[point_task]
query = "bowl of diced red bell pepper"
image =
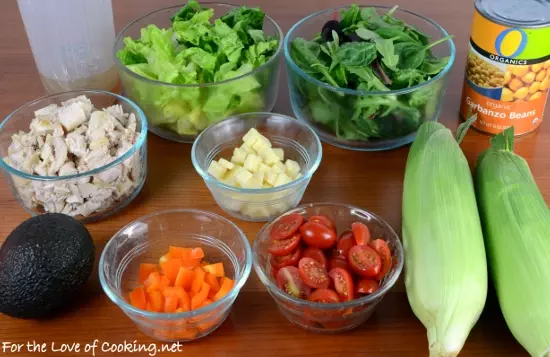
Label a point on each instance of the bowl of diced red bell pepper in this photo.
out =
(327, 265)
(176, 273)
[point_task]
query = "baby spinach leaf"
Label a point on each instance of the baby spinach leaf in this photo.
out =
(356, 54)
(397, 35)
(386, 49)
(304, 53)
(418, 35)
(433, 65)
(372, 19)
(366, 34)
(350, 16)
(412, 54)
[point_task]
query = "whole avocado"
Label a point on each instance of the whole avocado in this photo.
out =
(43, 262)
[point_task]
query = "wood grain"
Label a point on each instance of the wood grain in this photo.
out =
(255, 327)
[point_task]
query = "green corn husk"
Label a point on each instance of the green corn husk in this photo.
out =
(516, 221)
(445, 263)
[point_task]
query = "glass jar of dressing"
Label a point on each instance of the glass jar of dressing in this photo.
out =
(72, 43)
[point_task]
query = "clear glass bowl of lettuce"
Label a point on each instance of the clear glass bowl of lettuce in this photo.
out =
(188, 67)
(367, 77)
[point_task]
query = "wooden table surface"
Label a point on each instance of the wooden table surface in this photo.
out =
(255, 327)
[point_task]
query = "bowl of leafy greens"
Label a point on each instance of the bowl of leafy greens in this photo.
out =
(366, 77)
(190, 66)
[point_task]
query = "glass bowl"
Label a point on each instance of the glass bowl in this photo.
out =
(297, 139)
(179, 112)
(393, 116)
(74, 194)
(334, 317)
(146, 239)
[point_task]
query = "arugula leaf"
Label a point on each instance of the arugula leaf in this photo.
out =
(356, 54)
(370, 80)
(386, 49)
(408, 77)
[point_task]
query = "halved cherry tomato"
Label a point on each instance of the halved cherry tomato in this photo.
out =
(345, 243)
(366, 286)
(324, 220)
(343, 283)
(317, 235)
(284, 246)
(313, 273)
(324, 296)
(316, 254)
(286, 260)
(288, 280)
(381, 247)
(287, 226)
(364, 261)
(338, 262)
(361, 233)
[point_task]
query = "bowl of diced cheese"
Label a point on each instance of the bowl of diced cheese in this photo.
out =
(257, 165)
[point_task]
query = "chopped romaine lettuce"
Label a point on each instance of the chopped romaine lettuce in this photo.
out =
(198, 49)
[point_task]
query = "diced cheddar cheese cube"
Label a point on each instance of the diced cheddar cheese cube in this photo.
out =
(251, 137)
(269, 157)
(255, 211)
(242, 177)
(239, 155)
(292, 168)
(282, 179)
(228, 165)
(248, 149)
(261, 144)
(280, 153)
(216, 170)
(271, 177)
(252, 163)
(263, 168)
(256, 181)
(280, 167)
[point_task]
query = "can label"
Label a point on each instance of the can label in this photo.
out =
(507, 76)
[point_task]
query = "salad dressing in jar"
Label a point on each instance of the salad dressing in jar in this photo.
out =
(72, 43)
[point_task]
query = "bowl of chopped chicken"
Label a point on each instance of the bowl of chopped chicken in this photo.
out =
(80, 153)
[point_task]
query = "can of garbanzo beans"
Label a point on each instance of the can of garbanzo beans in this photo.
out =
(508, 66)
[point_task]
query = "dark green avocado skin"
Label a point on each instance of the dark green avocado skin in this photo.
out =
(42, 264)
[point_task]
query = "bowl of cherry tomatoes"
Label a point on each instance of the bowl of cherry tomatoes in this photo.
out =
(327, 265)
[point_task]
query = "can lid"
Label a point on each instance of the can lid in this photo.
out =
(516, 13)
